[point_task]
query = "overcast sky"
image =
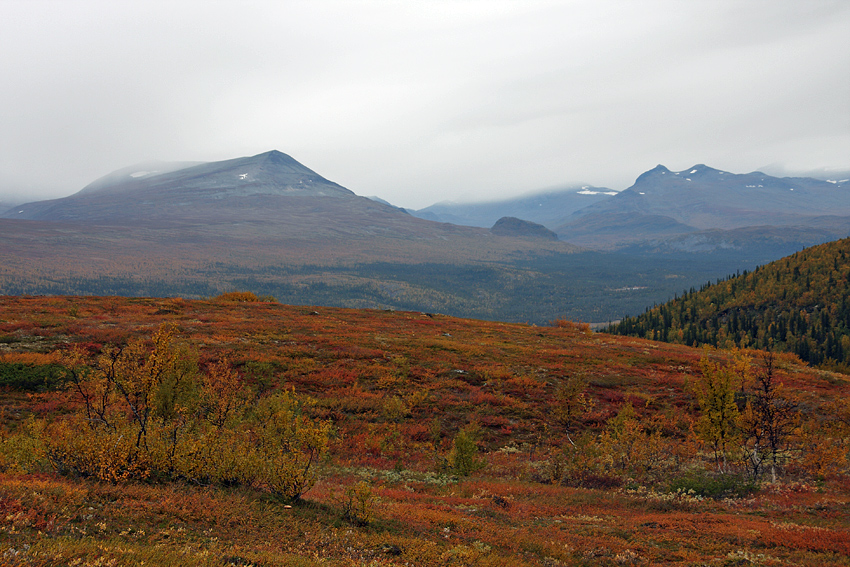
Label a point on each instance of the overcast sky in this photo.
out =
(423, 101)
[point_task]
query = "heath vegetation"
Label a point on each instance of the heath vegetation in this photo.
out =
(244, 432)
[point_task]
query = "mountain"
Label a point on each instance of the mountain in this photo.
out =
(241, 187)
(549, 208)
(267, 196)
(663, 206)
(799, 304)
(268, 224)
(512, 226)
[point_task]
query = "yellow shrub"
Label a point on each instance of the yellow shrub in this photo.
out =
(145, 414)
(241, 296)
(105, 454)
(24, 450)
(289, 446)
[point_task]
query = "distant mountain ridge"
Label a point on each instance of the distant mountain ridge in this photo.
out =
(269, 224)
(663, 206)
(705, 198)
(699, 209)
(549, 208)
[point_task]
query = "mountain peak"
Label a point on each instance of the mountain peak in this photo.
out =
(656, 171)
(700, 169)
(276, 157)
(168, 190)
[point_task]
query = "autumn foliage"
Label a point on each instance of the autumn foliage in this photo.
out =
(799, 304)
(404, 438)
(147, 412)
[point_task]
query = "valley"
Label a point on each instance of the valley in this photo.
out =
(425, 284)
(268, 224)
(202, 368)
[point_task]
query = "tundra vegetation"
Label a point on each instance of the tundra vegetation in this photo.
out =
(238, 431)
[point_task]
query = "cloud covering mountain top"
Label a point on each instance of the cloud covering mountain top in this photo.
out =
(419, 102)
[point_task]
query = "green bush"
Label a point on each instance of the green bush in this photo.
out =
(713, 485)
(464, 457)
(358, 504)
(31, 377)
(23, 451)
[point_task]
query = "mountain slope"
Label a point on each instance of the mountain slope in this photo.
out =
(702, 198)
(553, 487)
(120, 179)
(799, 304)
(234, 185)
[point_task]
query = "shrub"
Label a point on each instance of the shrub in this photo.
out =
(464, 457)
(717, 486)
(31, 377)
(109, 455)
(287, 445)
(358, 504)
(24, 451)
(630, 446)
(244, 297)
(394, 409)
(240, 296)
(147, 414)
(580, 464)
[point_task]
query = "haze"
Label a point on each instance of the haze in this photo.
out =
(419, 102)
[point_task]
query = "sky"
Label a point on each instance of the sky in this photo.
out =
(419, 102)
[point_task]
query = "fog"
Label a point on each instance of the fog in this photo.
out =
(420, 102)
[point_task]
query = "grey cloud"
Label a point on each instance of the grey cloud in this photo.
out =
(419, 102)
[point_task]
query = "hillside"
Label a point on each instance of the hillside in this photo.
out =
(512, 226)
(455, 442)
(800, 304)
